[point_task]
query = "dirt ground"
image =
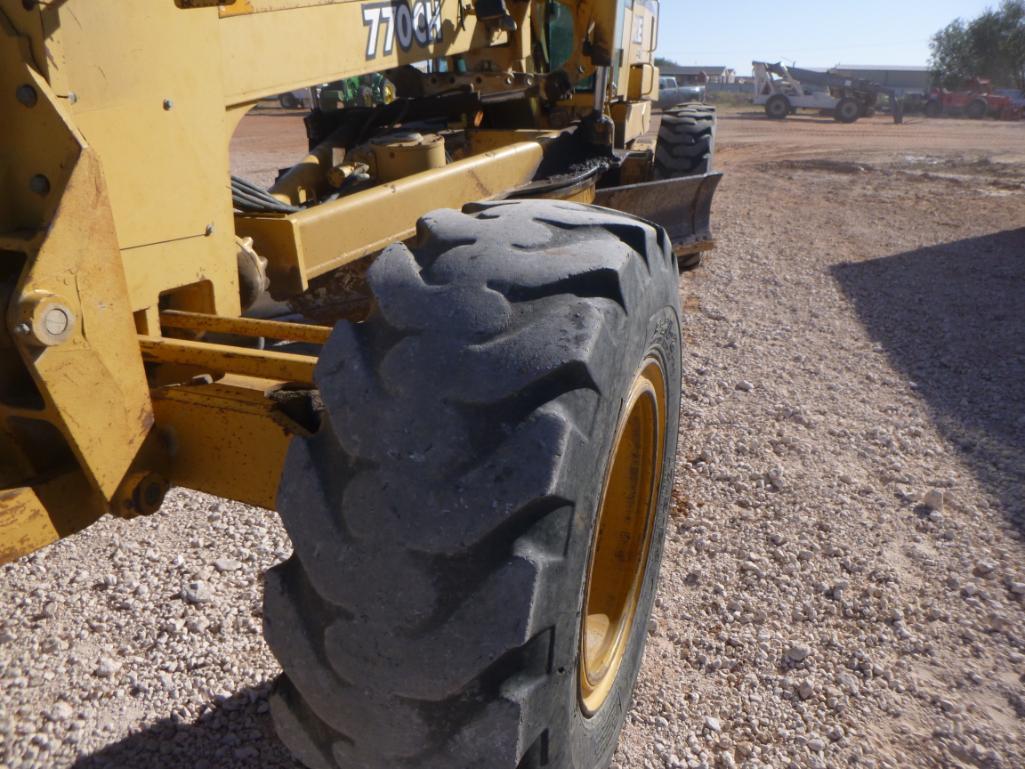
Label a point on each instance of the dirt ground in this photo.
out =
(855, 350)
(266, 141)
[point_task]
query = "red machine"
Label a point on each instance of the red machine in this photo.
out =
(976, 102)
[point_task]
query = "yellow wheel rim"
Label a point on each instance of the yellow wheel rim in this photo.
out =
(623, 533)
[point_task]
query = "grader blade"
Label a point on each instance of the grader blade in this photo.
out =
(683, 206)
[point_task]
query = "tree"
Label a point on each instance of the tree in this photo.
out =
(1013, 48)
(991, 46)
(952, 61)
(662, 61)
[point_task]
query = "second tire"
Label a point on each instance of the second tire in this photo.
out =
(686, 141)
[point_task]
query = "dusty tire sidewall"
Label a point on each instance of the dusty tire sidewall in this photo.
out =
(592, 741)
(642, 318)
(847, 111)
(777, 108)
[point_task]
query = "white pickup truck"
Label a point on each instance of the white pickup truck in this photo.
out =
(670, 93)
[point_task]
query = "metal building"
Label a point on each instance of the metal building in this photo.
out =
(699, 75)
(903, 79)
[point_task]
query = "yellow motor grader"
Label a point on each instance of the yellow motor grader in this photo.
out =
(473, 451)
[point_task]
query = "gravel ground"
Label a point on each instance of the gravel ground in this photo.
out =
(844, 581)
(844, 585)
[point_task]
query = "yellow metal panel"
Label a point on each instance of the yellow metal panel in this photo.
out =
(24, 524)
(154, 269)
(328, 41)
(483, 140)
(154, 114)
(640, 32)
(24, 20)
(31, 518)
(312, 242)
(93, 380)
(152, 111)
(639, 38)
(35, 142)
(72, 268)
(643, 82)
(227, 440)
(632, 119)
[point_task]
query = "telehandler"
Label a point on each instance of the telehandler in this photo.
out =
(474, 456)
(783, 90)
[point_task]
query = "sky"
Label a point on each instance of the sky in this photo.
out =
(814, 34)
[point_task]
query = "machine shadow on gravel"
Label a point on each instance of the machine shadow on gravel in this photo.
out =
(952, 319)
(232, 734)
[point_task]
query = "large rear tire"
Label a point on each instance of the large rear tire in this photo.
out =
(518, 380)
(777, 107)
(847, 110)
(686, 142)
(933, 109)
(977, 110)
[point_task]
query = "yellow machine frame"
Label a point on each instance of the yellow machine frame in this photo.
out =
(119, 242)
